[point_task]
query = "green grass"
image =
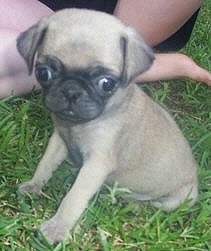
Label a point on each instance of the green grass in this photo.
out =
(108, 223)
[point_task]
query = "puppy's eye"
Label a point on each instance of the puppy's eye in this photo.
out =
(107, 84)
(43, 74)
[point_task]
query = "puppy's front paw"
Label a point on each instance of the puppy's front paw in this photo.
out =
(54, 230)
(30, 187)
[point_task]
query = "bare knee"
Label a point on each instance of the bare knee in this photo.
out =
(17, 85)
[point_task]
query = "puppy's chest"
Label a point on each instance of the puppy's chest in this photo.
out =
(79, 143)
(72, 142)
(84, 142)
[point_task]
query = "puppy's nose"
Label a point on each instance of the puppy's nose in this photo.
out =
(56, 102)
(73, 95)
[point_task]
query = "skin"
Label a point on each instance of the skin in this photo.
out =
(169, 16)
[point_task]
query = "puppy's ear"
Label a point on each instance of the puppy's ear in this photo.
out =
(137, 55)
(29, 41)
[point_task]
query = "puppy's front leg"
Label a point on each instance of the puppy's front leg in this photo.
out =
(89, 180)
(55, 153)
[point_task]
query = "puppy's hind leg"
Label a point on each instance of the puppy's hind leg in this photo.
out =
(187, 192)
(55, 153)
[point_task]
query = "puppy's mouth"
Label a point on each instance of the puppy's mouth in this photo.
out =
(79, 114)
(76, 107)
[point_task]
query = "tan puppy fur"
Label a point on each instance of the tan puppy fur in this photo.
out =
(129, 139)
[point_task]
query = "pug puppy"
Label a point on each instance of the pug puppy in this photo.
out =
(86, 63)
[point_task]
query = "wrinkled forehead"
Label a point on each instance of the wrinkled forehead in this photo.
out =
(82, 46)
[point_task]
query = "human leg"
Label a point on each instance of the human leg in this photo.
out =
(168, 66)
(156, 21)
(15, 18)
